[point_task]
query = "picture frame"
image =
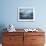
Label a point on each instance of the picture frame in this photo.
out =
(26, 14)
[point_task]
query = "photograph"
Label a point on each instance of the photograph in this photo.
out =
(26, 14)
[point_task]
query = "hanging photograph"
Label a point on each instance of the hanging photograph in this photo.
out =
(26, 14)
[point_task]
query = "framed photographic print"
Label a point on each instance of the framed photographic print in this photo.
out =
(26, 14)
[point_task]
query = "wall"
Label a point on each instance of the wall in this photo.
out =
(8, 13)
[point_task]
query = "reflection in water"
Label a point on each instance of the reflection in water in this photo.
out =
(26, 14)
